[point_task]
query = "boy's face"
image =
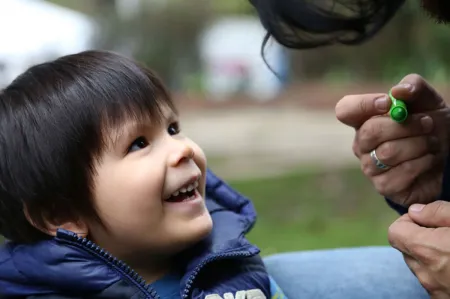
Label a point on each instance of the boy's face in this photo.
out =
(149, 191)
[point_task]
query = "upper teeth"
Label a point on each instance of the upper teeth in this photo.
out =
(189, 187)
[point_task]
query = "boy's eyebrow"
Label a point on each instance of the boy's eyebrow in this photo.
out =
(126, 132)
(120, 136)
(172, 115)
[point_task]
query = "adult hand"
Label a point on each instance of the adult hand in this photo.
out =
(415, 151)
(423, 236)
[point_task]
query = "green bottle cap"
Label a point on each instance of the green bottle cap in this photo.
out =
(398, 111)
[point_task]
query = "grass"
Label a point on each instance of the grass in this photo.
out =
(304, 210)
(316, 209)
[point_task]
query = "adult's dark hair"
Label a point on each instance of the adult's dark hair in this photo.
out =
(306, 24)
(53, 120)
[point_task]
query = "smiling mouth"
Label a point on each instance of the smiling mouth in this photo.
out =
(186, 193)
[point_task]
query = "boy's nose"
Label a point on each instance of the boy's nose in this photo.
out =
(182, 152)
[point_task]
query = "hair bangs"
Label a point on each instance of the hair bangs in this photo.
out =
(143, 106)
(116, 91)
(305, 24)
(139, 99)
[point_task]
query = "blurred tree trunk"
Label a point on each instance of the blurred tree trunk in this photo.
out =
(162, 38)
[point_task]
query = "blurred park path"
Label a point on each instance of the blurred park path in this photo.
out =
(249, 142)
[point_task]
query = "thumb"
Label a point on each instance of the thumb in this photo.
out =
(435, 214)
(355, 110)
(418, 94)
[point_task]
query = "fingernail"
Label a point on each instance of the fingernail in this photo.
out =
(406, 86)
(416, 208)
(382, 104)
(427, 124)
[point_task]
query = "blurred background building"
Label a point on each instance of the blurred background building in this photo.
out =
(275, 138)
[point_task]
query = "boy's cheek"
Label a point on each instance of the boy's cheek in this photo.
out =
(199, 157)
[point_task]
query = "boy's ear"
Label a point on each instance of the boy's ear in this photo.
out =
(51, 227)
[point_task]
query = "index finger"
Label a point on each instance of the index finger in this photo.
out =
(354, 110)
(418, 94)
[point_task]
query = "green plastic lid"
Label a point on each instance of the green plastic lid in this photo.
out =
(398, 111)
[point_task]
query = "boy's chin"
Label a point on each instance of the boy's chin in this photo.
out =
(439, 10)
(195, 231)
(203, 228)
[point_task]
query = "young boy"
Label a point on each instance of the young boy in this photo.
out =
(102, 196)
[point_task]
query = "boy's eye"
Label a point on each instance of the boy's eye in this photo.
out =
(138, 144)
(174, 128)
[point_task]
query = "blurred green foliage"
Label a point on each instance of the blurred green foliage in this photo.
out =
(319, 209)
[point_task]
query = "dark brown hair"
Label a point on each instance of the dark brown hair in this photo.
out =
(306, 24)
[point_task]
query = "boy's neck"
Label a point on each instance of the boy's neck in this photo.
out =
(151, 270)
(152, 276)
